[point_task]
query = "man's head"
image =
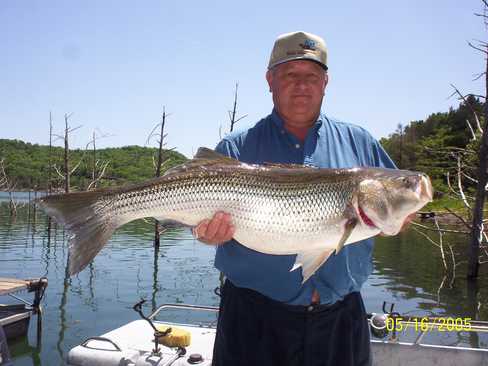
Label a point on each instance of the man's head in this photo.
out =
(297, 77)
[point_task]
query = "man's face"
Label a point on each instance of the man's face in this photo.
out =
(298, 88)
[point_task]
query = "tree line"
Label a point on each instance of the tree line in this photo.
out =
(27, 165)
(444, 146)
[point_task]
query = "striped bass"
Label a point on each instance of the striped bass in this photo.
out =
(275, 209)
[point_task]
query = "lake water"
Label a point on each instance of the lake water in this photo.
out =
(407, 271)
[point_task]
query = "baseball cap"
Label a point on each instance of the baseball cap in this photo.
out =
(298, 46)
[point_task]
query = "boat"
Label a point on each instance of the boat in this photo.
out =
(15, 318)
(141, 343)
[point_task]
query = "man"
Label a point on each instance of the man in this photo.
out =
(267, 317)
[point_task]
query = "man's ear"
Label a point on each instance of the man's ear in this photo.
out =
(269, 79)
(326, 81)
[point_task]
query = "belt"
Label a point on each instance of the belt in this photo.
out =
(262, 299)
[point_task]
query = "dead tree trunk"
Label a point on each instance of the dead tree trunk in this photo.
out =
(6, 185)
(94, 161)
(477, 226)
(158, 174)
(50, 162)
(49, 173)
(98, 167)
(66, 174)
(232, 114)
(66, 156)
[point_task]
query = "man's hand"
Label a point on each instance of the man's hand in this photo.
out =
(216, 231)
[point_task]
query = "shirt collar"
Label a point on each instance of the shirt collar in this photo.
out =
(278, 121)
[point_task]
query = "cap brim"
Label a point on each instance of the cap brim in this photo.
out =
(298, 58)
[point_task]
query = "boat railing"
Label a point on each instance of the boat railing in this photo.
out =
(183, 307)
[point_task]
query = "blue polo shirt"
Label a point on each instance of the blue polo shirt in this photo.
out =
(329, 144)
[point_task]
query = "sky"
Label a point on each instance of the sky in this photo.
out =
(115, 64)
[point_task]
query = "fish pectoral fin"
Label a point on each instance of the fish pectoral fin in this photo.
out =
(348, 228)
(310, 261)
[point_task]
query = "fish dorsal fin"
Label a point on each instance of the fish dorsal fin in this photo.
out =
(204, 157)
(204, 153)
(286, 166)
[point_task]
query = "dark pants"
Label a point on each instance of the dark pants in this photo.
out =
(255, 330)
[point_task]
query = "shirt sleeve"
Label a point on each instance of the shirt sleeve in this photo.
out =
(228, 148)
(380, 157)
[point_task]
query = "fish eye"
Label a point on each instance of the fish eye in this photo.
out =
(409, 182)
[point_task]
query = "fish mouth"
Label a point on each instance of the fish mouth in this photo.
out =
(365, 218)
(426, 190)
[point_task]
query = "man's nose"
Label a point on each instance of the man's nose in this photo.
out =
(301, 83)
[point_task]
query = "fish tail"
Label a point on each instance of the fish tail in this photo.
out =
(89, 218)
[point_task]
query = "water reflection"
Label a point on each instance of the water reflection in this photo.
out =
(408, 271)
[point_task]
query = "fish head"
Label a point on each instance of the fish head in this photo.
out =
(388, 196)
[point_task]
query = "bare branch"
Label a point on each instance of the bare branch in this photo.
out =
(477, 48)
(4, 181)
(479, 76)
(100, 176)
(237, 120)
(453, 277)
(426, 236)
(443, 230)
(477, 95)
(475, 115)
(77, 164)
(458, 217)
(152, 133)
(449, 184)
(460, 187)
(95, 138)
(57, 171)
(441, 244)
(439, 289)
(473, 136)
(74, 129)
(481, 43)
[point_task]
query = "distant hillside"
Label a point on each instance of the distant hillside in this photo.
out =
(27, 164)
(433, 145)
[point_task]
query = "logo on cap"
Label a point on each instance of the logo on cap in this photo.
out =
(308, 45)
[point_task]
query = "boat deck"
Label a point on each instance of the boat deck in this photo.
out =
(11, 285)
(14, 318)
